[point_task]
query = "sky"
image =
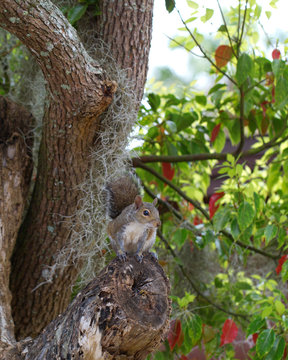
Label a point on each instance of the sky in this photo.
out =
(165, 24)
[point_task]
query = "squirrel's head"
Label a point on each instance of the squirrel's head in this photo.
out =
(147, 212)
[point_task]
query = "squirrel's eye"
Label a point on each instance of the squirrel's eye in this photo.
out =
(146, 212)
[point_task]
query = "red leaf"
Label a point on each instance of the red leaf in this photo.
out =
(174, 334)
(276, 54)
(281, 261)
(215, 132)
(263, 106)
(255, 337)
(229, 332)
(183, 357)
(190, 207)
(212, 203)
(168, 171)
(197, 220)
(222, 55)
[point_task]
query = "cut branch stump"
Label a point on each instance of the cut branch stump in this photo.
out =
(122, 314)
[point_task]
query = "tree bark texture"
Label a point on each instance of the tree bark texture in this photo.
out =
(15, 175)
(123, 314)
(78, 93)
(127, 31)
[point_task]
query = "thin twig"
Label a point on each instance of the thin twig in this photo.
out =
(249, 247)
(177, 214)
(228, 34)
(224, 232)
(192, 283)
(241, 123)
(174, 187)
(242, 29)
(204, 52)
(184, 47)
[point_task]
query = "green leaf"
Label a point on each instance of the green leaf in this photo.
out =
(245, 215)
(257, 12)
(180, 237)
(170, 5)
(154, 101)
(278, 67)
(201, 99)
(185, 300)
(195, 328)
(277, 351)
(221, 218)
(245, 67)
(266, 311)
(219, 142)
(284, 272)
(192, 4)
(76, 12)
(255, 325)
(270, 232)
(222, 28)
(268, 14)
(265, 342)
(256, 202)
(235, 231)
(281, 93)
(280, 307)
(209, 13)
(215, 88)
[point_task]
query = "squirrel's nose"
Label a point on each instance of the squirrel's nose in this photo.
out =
(158, 223)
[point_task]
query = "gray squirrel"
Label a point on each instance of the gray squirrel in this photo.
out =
(134, 223)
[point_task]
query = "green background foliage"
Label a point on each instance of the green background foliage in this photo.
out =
(217, 159)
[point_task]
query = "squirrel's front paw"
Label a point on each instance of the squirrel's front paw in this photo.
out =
(122, 256)
(139, 258)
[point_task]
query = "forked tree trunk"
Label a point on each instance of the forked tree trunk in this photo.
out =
(78, 93)
(123, 314)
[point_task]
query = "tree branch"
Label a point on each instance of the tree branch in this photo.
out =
(139, 161)
(174, 187)
(59, 53)
(242, 28)
(125, 310)
(203, 51)
(203, 211)
(192, 283)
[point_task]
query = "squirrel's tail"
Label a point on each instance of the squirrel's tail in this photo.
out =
(121, 193)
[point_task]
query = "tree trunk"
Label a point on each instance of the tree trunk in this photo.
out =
(15, 174)
(123, 314)
(78, 93)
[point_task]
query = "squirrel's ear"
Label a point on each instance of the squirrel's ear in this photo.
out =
(138, 201)
(155, 202)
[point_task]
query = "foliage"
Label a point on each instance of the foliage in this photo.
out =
(235, 132)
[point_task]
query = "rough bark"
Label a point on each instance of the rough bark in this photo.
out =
(128, 34)
(15, 173)
(78, 92)
(123, 314)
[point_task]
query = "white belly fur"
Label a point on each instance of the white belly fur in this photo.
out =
(132, 233)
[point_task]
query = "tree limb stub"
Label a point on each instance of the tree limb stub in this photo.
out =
(122, 314)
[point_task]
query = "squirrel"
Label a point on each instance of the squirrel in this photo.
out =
(134, 222)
